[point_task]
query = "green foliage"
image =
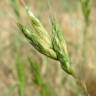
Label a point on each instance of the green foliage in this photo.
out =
(45, 89)
(36, 71)
(21, 75)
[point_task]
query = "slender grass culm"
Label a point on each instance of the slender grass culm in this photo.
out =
(86, 10)
(53, 46)
(20, 68)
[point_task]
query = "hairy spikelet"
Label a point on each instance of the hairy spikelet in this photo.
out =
(38, 42)
(59, 46)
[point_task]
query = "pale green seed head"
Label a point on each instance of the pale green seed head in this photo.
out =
(38, 27)
(52, 46)
(38, 36)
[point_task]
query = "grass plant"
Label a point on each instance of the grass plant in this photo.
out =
(86, 11)
(53, 46)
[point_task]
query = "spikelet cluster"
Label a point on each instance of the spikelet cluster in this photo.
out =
(52, 46)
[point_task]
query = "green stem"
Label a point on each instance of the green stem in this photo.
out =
(81, 84)
(84, 50)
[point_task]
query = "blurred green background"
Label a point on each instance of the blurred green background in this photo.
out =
(44, 76)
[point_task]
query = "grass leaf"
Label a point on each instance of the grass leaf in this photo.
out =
(21, 76)
(45, 88)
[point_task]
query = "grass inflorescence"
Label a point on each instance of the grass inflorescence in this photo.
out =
(52, 46)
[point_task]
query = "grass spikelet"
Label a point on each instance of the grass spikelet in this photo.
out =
(40, 42)
(59, 46)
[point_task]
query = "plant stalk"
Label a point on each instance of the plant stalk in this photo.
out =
(81, 84)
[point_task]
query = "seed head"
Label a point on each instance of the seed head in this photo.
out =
(38, 36)
(52, 46)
